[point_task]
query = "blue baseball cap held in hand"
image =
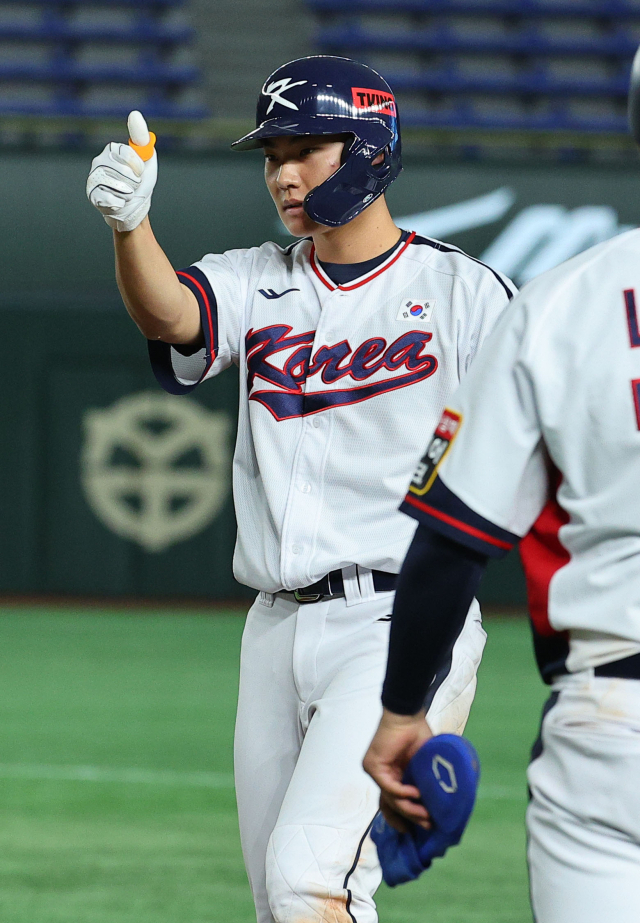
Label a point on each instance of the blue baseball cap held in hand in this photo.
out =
(446, 771)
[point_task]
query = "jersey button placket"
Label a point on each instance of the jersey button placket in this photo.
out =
(305, 497)
(302, 514)
(303, 511)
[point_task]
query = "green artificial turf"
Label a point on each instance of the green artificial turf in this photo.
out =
(116, 803)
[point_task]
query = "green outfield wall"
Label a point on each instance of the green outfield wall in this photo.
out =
(109, 486)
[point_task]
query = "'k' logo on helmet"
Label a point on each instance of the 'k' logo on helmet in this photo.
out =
(277, 88)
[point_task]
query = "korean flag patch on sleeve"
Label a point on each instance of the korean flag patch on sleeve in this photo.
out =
(420, 311)
(445, 433)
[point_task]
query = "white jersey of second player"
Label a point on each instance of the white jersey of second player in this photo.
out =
(340, 386)
(543, 440)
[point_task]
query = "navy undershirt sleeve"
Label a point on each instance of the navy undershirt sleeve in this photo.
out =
(185, 350)
(436, 586)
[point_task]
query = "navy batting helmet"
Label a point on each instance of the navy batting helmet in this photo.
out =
(325, 95)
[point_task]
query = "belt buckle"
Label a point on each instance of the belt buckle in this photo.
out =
(311, 598)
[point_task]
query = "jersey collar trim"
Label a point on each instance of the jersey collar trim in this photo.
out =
(324, 278)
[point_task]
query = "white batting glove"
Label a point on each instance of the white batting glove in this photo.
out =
(121, 181)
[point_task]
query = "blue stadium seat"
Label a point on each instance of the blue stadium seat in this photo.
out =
(528, 41)
(552, 121)
(54, 30)
(107, 4)
(158, 75)
(96, 58)
(614, 9)
(494, 64)
(535, 82)
(157, 110)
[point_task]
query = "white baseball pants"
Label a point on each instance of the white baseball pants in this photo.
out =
(584, 817)
(309, 703)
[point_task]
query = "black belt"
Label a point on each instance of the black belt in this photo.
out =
(627, 668)
(333, 586)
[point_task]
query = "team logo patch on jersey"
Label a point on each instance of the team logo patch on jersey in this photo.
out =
(412, 311)
(446, 432)
(373, 100)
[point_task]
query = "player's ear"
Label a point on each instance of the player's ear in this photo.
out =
(380, 158)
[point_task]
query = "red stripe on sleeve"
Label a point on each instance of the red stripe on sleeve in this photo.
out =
(458, 523)
(214, 345)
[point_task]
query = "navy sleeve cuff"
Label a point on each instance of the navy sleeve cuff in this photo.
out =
(441, 510)
(160, 353)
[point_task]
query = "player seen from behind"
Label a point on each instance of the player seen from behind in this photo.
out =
(541, 445)
(349, 342)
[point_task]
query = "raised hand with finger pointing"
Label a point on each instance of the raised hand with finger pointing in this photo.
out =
(123, 177)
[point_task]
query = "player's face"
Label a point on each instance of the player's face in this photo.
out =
(295, 166)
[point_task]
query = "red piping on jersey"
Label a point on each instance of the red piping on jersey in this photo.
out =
(457, 523)
(543, 556)
(378, 272)
(209, 320)
(635, 386)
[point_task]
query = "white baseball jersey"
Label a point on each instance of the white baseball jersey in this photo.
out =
(543, 440)
(340, 386)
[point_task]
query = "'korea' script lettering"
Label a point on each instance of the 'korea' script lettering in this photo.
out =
(290, 394)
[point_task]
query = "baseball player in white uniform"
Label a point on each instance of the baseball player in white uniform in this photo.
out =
(349, 342)
(541, 445)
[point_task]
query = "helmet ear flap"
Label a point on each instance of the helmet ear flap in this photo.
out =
(354, 186)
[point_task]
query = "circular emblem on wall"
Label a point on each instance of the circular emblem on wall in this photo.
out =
(155, 467)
